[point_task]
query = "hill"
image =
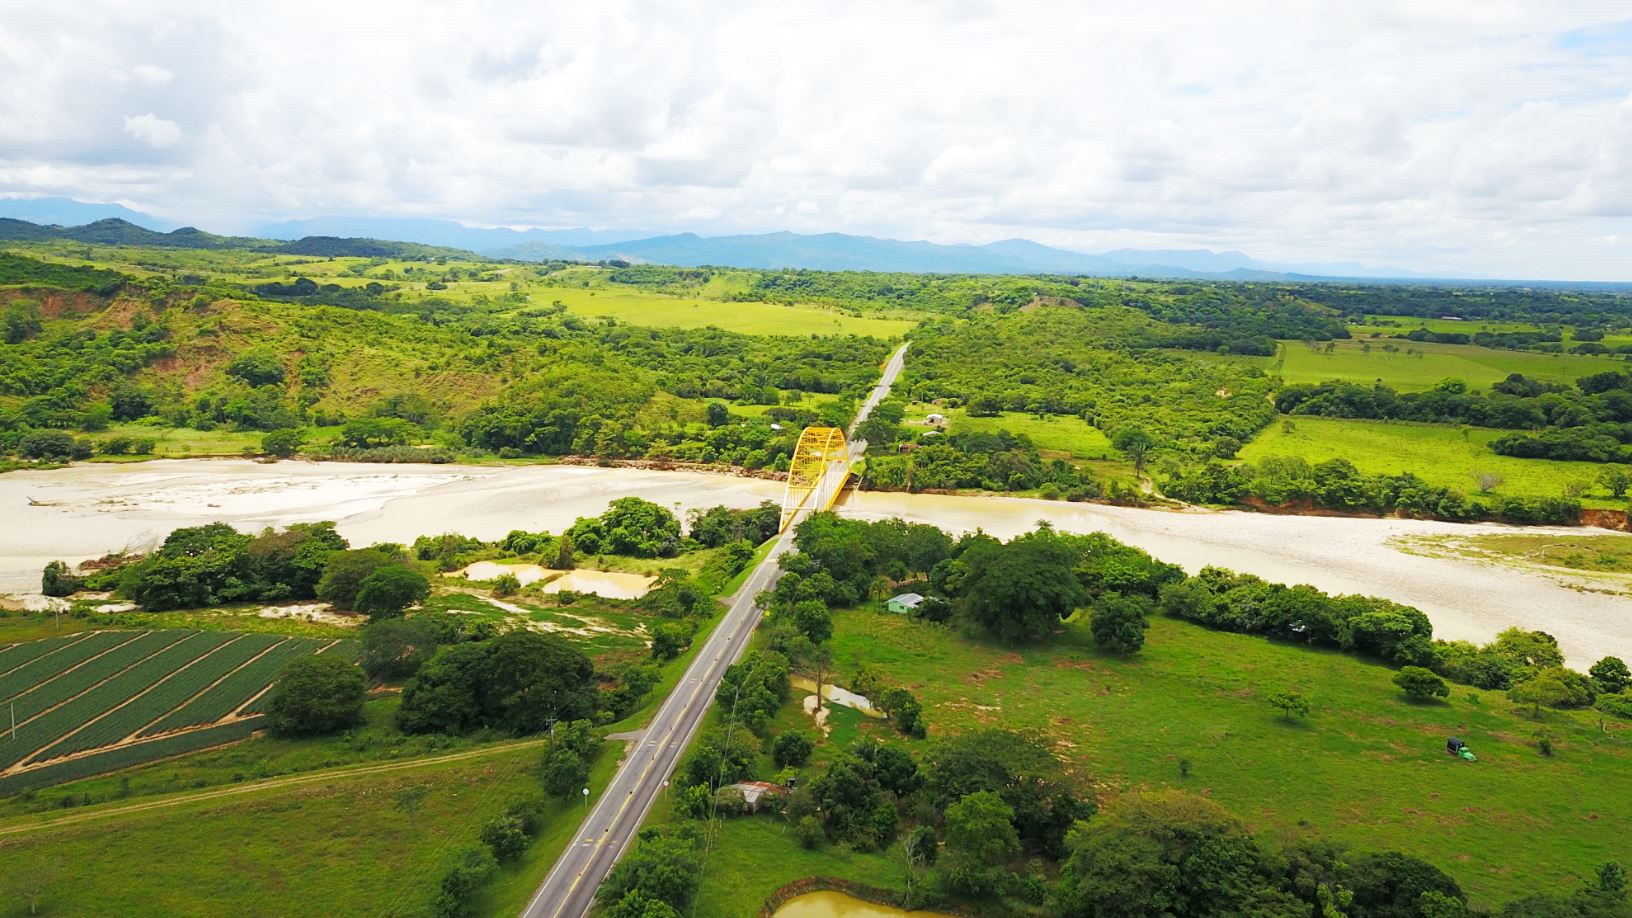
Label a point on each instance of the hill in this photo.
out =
(117, 231)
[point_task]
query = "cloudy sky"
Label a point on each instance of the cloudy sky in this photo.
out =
(1484, 136)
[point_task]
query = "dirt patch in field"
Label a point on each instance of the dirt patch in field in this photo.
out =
(314, 612)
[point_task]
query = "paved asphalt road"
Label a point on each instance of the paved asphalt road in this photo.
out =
(643, 775)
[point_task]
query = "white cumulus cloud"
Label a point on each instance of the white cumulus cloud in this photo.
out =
(152, 130)
(1481, 136)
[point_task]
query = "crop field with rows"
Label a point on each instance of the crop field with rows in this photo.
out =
(92, 702)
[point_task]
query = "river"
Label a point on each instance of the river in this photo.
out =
(86, 510)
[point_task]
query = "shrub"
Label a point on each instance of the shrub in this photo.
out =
(791, 749)
(47, 444)
(1616, 705)
(59, 580)
(470, 870)
(505, 837)
(1118, 623)
(1420, 684)
(316, 694)
(506, 585)
(905, 711)
(808, 830)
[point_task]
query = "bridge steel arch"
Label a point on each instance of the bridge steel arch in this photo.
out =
(817, 472)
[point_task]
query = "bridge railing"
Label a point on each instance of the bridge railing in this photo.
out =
(817, 472)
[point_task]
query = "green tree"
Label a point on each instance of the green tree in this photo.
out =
(980, 838)
(316, 694)
(905, 711)
(565, 769)
(58, 579)
(1616, 480)
(127, 403)
(23, 321)
(396, 648)
(1554, 687)
(1610, 675)
(518, 682)
(791, 749)
(344, 573)
(813, 619)
(718, 414)
(1018, 768)
(1421, 684)
(663, 867)
(389, 590)
(630, 526)
(1020, 590)
(1392, 885)
(1165, 853)
(196, 566)
(258, 368)
(282, 443)
(719, 757)
(1118, 623)
(669, 639)
(1135, 444)
(1292, 704)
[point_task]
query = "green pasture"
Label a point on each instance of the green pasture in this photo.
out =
(1437, 453)
(183, 442)
(1512, 823)
(1395, 325)
(1417, 365)
(1062, 435)
(341, 847)
(639, 307)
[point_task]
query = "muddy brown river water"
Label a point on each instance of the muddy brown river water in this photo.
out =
(84, 511)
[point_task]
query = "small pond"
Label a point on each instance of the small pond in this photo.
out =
(839, 905)
(610, 584)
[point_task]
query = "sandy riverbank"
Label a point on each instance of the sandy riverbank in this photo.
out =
(86, 510)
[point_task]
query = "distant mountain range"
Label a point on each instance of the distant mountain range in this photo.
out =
(382, 236)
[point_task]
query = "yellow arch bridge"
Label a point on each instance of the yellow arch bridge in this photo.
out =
(817, 473)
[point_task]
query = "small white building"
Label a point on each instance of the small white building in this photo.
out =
(904, 603)
(933, 418)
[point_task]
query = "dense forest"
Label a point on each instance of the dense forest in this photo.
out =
(1107, 366)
